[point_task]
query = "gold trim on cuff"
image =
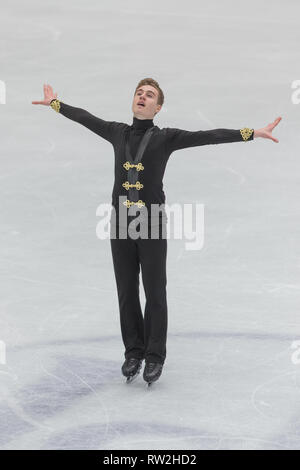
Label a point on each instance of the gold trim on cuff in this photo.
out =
(55, 104)
(246, 133)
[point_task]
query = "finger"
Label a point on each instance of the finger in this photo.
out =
(277, 120)
(274, 140)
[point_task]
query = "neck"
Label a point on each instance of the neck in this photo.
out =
(141, 124)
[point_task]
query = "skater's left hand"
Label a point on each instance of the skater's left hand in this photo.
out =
(266, 132)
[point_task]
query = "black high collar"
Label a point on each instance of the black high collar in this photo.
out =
(141, 124)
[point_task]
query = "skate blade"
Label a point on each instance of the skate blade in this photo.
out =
(131, 379)
(152, 382)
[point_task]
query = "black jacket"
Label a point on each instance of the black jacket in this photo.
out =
(153, 162)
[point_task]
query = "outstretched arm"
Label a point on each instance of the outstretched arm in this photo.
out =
(101, 127)
(179, 138)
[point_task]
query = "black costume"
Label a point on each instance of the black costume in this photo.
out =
(141, 154)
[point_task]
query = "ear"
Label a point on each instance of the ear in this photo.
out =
(158, 108)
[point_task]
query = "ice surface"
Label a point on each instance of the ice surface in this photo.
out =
(229, 381)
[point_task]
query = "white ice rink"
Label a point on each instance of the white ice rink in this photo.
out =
(231, 379)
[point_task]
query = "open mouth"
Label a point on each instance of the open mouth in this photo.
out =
(141, 104)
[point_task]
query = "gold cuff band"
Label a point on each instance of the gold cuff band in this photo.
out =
(55, 104)
(246, 133)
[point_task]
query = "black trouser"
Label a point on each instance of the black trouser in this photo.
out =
(142, 337)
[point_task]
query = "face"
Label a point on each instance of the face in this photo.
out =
(148, 96)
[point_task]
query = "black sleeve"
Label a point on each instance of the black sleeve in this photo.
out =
(105, 129)
(179, 138)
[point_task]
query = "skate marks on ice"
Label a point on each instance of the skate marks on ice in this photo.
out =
(203, 333)
(271, 399)
(12, 425)
(68, 386)
(54, 393)
(131, 435)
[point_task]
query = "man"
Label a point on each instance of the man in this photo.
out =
(141, 154)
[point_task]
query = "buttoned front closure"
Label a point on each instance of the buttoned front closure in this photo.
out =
(133, 166)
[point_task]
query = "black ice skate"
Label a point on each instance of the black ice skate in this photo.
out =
(131, 368)
(152, 372)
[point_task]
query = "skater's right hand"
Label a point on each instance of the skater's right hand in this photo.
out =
(48, 96)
